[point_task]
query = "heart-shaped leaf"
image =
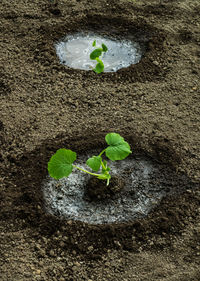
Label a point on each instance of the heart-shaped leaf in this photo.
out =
(60, 164)
(94, 163)
(99, 67)
(95, 54)
(118, 148)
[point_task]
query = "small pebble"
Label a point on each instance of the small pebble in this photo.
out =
(62, 244)
(38, 271)
(52, 253)
(90, 248)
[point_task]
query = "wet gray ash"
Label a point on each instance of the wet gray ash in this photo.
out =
(144, 183)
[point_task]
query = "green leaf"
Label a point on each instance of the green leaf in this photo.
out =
(119, 152)
(60, 164)
(94, 163)
(94, 43)
(107, 169)
(99, 67)
(95, 54)
(118, 148)
(114, 139)
(104, 47)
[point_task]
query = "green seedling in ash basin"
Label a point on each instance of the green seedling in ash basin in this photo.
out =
(95, 55)
(61, 163)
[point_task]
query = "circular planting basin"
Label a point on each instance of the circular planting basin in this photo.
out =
(145, 183)
(74, 51)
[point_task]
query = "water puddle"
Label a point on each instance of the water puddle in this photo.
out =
(74, 51)
(147, 182)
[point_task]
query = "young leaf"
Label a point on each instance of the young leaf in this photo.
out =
(99, 67)
(95, 54)
(94, 43)
(60, 164)
(118, 148)
(114, 139)
(106, 169)
(104, 47)
(94, 163)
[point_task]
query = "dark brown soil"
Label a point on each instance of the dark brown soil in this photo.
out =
(96, 190)
(45, 105)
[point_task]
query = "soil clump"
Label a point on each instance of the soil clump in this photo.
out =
(98, 190)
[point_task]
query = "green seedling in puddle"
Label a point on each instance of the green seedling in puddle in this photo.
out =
(95, 55)
(61, 163)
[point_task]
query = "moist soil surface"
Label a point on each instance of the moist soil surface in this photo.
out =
(96, 191)
(45, 105)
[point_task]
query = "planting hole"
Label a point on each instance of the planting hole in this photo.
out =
(75, 52)
(145, 183)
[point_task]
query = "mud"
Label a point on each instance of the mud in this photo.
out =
(45, 105)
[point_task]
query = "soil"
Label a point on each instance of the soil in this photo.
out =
(45, 105)
(98, 190)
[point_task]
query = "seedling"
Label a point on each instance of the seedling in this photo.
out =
(61, 163)
(95, 56)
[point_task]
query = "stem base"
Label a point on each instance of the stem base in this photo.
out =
(96, 189)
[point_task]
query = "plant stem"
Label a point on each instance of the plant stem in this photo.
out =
(103, 166)
(102, 152)
(93, 174)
